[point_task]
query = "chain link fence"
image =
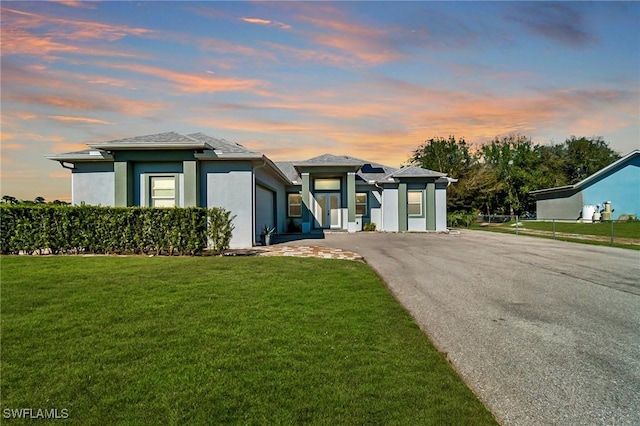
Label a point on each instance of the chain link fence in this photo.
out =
(611, 231)
(614, 232)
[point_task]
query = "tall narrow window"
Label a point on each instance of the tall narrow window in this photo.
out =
(361, 203)
(163, 191)
(295, 205)
(414, 203)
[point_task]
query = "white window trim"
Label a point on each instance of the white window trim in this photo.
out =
(366, 203)
(148, 202)
(409, 203)
(289, 204)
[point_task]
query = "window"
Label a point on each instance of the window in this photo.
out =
(414, 203)
(327, 184)
(295, 205)
(361, 203)
(163, 191)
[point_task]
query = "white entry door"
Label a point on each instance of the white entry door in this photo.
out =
(328, 210)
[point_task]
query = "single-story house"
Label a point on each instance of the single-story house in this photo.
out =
(618, 183)
(328, 192)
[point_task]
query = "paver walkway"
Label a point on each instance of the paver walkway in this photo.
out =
(298, 251)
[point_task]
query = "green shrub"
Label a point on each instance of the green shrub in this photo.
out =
(88, 229)
(369, 226)
(460, 218)
(220, 229)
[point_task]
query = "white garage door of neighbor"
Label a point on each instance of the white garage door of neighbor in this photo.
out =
(265, 211)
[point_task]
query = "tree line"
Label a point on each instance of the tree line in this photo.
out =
(497, 177)
(9, 199)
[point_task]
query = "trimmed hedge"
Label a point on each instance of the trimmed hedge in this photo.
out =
(113, 230)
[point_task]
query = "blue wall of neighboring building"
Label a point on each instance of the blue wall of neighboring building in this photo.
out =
(621, 186)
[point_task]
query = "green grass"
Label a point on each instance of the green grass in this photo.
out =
(621, 230)
(141, 340)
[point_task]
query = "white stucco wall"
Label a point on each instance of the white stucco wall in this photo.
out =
(229, 185)
(375, 208)
(441, 207)
(417, 224)
(390, 209)
(93, 184)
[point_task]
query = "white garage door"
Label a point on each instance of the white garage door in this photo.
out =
(265, 209)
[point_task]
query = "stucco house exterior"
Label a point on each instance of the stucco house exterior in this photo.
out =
(618, 183)
(328, 192)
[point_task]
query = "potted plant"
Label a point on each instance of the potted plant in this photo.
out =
(265, 235)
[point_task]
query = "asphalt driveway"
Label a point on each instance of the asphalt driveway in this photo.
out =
(545, 332)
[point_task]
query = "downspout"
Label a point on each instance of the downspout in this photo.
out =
(253, 207)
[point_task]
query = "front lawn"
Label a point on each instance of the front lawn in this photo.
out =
(206, 340)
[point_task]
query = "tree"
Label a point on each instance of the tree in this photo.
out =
(39, 200)
(454, 158)
(9, 199)
(444, 155)
(512, 158)
(586, 156)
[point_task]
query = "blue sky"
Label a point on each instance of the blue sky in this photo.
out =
(298, 79)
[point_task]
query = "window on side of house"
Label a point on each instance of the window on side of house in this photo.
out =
(294, 205)
(414, 203)
(361, 203)
(163, 191)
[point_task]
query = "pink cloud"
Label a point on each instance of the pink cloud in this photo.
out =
(261, 21)
(76, 3)
(71, 29)
(17, 41)
(256, 21)
(80, 120)
(194, 83)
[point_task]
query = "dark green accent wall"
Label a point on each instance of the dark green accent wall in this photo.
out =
(351, 197)
(402, 207)
(431, 206)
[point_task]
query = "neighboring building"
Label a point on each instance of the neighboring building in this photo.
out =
(618, 183)
(326, 192)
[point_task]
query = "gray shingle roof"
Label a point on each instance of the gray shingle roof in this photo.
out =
(287, 169)
(222, 145)
(368, 171)
(415, 171)
(168, 137)
(170, 140)
(330, 160)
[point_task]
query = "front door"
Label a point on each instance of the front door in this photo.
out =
(327, 210)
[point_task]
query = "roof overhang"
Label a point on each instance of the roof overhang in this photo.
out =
(77, 157)
(217, 155)
(128, 146)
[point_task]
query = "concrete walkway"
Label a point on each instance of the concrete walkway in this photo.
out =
(545, 332)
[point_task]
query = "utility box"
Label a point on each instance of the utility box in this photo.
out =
(358, 223)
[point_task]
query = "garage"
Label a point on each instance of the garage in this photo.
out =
(265, 209)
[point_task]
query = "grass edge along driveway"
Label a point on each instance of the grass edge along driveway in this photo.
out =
(219, 341)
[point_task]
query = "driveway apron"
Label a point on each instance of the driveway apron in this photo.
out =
(545, 332)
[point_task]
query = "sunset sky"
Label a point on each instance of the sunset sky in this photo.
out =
(297, 79)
